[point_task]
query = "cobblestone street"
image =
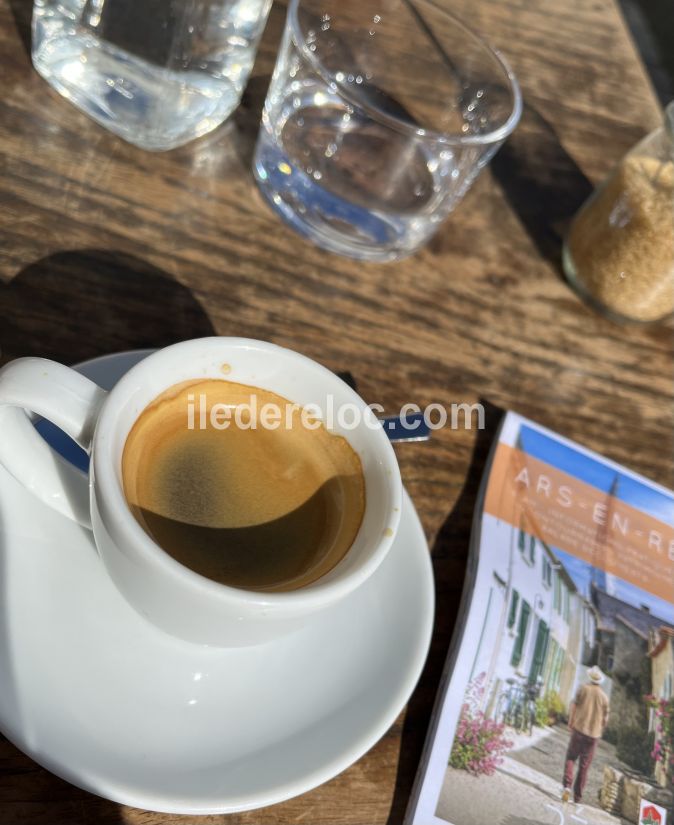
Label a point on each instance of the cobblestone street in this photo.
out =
(502, 799)
(526, 789)
(547, 756)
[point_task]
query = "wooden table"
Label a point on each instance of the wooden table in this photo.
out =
(106, 248)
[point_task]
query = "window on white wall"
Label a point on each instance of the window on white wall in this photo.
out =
(547, 572)
(522, 629)
(512, 613)
(557, 601)
(589, 626)
(527, 546)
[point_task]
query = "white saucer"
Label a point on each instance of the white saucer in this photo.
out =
(98, 696)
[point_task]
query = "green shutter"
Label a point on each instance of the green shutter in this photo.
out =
(532, 549)
(539, 651)
(549, 662)
(520, 540)
(557, 673)
(512, 613)
(521, 634)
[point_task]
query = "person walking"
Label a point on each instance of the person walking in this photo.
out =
(588, 718)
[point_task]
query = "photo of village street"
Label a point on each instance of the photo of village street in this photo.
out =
(567, 714)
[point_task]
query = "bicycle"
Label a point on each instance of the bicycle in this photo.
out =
(516, 706)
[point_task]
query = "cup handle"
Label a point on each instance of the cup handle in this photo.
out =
(69, 400)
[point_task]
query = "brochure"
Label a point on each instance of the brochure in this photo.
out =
(557, 703)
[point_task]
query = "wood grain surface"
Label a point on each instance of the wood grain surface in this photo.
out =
(105, 248)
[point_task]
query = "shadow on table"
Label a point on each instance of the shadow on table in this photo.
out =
(450, 553)
(246, 118)
(22, 12)
(542, 183)
(71, 306)
(41, 798)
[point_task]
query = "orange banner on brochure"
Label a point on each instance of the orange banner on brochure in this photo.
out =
(581, 520)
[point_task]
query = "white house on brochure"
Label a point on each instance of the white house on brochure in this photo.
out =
(537, 627)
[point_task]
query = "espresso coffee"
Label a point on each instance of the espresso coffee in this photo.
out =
(229, 481)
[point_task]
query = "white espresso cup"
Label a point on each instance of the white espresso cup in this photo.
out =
(173, 597)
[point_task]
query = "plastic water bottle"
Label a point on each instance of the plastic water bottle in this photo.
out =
(158, 73)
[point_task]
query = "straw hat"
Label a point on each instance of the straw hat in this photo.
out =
(595, 675)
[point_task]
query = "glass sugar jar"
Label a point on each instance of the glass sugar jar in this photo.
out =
(619, 251)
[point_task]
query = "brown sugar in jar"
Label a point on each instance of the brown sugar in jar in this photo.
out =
(619, 252)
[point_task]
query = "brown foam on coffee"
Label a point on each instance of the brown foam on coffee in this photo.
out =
(262, 509)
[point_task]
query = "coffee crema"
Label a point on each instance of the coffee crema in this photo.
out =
(255, 508)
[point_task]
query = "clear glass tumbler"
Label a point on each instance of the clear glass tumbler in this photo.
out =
(379, 116)
(158, 73)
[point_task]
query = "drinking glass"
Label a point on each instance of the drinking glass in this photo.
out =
(158, 73)
(379, 116)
